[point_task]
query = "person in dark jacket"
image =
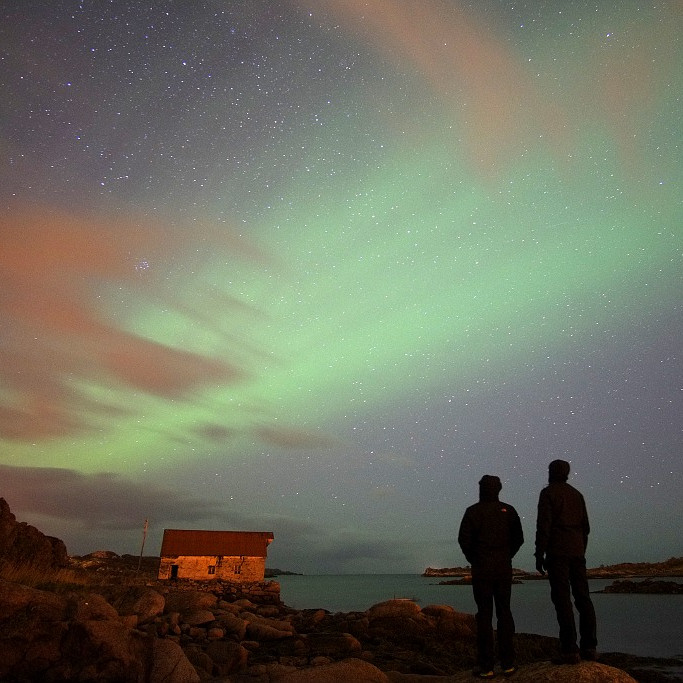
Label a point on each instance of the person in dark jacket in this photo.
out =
(490, 536)
(562, 530)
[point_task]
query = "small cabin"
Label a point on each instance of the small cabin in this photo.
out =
(236, 556)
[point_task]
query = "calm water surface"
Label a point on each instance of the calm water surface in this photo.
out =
(645, 625)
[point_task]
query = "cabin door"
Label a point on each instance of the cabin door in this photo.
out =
(174, 571)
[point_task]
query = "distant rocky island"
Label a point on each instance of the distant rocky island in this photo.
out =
(673, 567)
(644, 587)
(273, 572)
(447, 571)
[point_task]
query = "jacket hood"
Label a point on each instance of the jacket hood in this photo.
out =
(489, 487)
(558, 470)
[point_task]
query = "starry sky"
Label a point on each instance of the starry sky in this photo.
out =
(315, 267)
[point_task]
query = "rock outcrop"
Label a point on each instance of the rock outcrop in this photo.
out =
(170, 636)
(49, 637)
(23, 545)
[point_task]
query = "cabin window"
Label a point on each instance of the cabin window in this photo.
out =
(212, 569)
(238, 569)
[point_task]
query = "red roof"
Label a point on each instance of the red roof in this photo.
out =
(226, 543)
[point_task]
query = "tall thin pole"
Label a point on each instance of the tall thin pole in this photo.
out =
(142, 547)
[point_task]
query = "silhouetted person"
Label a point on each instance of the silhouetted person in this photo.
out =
(561, 538)
(490, 535)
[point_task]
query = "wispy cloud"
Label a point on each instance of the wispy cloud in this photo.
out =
(103, 500)
(58, 273)
(504, 102)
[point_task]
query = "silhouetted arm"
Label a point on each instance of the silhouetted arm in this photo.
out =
(516, 535)
(466, 538)
(544, 521)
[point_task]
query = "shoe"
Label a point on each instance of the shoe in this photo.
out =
(509, 671)
(485, 674)
(589, 655)
(567, 658)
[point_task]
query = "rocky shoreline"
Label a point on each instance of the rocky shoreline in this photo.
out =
(189, 633)
(106, 618)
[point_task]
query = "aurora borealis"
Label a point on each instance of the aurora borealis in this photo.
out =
(316, 267)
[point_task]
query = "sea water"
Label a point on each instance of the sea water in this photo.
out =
(644, 625)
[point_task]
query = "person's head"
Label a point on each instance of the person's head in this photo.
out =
(558, 470)
(489, 487)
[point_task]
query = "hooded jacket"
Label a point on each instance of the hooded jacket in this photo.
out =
(562, 525)
(490, 532)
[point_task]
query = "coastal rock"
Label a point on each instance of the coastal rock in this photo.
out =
(335, 645)
(400, 622)
(23, 545)
(226, 656)
(198, 617)
(450, 622)
(257, 630)
(45, 636)
(344, 671)
(585, 672)
(144, 603)
(92, 607)
(170, 665)
(100, 651)
(32, 625)
(394, 608)
(148, 605)
(279, 624)
(233, 625)
(83, 637)
(185, 601)
(17, 602)
(541, 672)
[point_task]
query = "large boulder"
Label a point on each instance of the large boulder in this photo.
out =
(343, 671)
(450, 622)
(198, 617)
(233, 625)
(145, 603)
(335, 645)
(102, 651)
(91, 607)
(401, 621)
(141, 602)
(32, 623)
(541, 672)
(186, 601)
(394, 608)
(44, 636)
(170, 665)
(18, 602)
(227, 656)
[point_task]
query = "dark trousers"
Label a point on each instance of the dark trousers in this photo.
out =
(488, 590)
(567, 576)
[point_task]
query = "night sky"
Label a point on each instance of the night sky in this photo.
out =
(316, 267)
